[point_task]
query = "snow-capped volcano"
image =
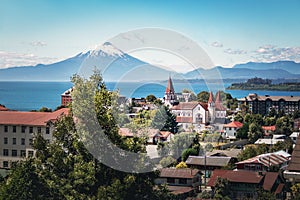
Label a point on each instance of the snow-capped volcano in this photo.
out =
(106, 49)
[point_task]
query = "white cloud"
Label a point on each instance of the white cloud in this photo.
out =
(270, 53)
(12, 59)
(235, 51)
(217, 44)
(38, 44)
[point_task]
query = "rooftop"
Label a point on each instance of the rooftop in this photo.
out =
(234, 124)
(178, 173)
(30, 118)
(225, 153)
(210, 161)
(235, 176)
(252, 97)
(294, 164)
(189, 105)
(268, 159)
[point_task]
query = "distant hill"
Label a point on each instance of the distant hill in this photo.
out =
(239, 73)
(289, 66)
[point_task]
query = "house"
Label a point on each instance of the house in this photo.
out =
(292, 173)
(208, 163)
(245, 184)
(229, 130)
(153, 135)
(264, 162)
(17, 130)
(232, 153)
(271, 141)
(263, 104)
(268, 130)
(294, 136)
(183, 181)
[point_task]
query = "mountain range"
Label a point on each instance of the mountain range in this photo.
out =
(115, 65)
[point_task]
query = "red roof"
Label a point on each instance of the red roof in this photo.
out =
(269, 128)
(234, 124)
(30, 118)
(235, 176)
(184, 119)
(211, 97)
(270, 180)
(170, 88)
(2, 108)
(279, 188)
(165, 134)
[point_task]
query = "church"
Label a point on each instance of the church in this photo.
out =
(195, 115)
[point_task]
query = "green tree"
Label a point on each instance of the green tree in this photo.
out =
(189, 152)
(203, 96)
(150, 98)
(44, 109)
(247, 153)
(221, 189)
(24, 183)
(242, 133)
(164, 120)
(255, 132)
(284, 125)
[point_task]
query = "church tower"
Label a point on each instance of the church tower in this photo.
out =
(211, 108)
(170, 96)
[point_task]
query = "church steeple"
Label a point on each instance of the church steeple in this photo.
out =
(170, 96)
(211, 98)
(170, 88)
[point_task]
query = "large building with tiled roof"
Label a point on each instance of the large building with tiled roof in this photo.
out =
(246, 184)
(263, 104)
(17, 130)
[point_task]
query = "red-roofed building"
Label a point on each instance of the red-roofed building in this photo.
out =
(268, 129)
(16, 132)
(263, 162)
(66, 97)
(231, 129)
(245, 184)
(3, 108)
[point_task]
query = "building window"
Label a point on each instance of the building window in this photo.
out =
(5, 140)
(5, 129)
(30, 141)
(47, 130)
(30, 129)
(170, 180)
(30, 153)
(22, 141)
(182, 181)
(14, 129)
(39, 129)
(5, 164)
(23, 129)
(14, 141)
(23, 153)
(5, 152)
(14, 153)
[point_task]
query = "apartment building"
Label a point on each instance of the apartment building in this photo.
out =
(17, 130)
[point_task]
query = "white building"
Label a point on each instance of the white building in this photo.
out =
(229, 130)
(17, 130)
(191, 114)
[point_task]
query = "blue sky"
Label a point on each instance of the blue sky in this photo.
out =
(230, 31)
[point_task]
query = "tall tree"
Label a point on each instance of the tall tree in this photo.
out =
(165, 120)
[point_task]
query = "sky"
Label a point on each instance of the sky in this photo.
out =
(229, 31)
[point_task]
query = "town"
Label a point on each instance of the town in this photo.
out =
(205, 146)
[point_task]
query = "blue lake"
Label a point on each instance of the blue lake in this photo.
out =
(26, 96)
